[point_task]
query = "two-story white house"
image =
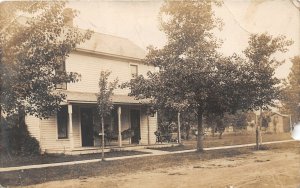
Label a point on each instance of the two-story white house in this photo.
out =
(76, 124)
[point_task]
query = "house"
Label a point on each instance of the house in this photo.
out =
(279, 123)
(76, 126)
(276, 122)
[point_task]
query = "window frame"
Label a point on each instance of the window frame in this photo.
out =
(62, 112)
(137, 70)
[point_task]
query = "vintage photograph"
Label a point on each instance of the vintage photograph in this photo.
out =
(150, 93)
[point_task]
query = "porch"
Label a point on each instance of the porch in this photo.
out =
(78, 125)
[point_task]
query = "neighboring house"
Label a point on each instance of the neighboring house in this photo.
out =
(279, 123)
(76, 125)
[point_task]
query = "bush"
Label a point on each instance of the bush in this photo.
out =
(19, 141)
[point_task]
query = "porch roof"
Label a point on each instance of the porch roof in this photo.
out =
(84, 97)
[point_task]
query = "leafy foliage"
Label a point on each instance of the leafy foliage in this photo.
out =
(32, 49)
(18, 139)
(291, 98)
(194, 77)
(264, 87)
(266, 119)
(104, 102)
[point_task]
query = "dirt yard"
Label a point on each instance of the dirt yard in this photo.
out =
(267, 168)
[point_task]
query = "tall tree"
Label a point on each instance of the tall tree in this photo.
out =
(35, 41)
(291, 99)
(104, 102)
(193, 76)
(264, 87)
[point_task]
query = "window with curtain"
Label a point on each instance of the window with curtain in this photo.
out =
(62, 122)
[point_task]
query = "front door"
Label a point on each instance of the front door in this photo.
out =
(87, 131)
(135, 126)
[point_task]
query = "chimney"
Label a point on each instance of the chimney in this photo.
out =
(68, 15)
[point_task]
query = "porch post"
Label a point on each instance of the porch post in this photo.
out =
(148, 127)
(70, 110)
(119, 127)
(179, 133)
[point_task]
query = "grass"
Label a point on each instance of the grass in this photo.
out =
(8, 161)
(106, 168)
(227, 140)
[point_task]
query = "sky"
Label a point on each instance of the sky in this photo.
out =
(138, 21)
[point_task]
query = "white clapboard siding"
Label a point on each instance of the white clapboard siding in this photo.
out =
(49, 138)
(89, 67)
(33, 126)
(144, 128)
(153, 128)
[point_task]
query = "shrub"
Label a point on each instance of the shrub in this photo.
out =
(19, 140)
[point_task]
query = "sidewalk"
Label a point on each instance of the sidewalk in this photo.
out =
(153, 153)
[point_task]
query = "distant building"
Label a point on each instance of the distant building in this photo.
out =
(279, 123)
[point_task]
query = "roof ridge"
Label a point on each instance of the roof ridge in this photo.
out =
(102, 33)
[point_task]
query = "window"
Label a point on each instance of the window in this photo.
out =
(62, 122)
(61, 70)
(134, 71)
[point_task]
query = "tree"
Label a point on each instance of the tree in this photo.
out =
(216, 123)
(264, 87)
(193, 76)
(241, 121)
(266, 119)
(104, 102)
(32, 53)
(291, 99)
(168, 115)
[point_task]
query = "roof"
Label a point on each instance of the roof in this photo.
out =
(112, 45)
(83, 97)
(276, 113)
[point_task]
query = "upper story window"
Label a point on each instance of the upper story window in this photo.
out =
(61, 70)
(134, 71)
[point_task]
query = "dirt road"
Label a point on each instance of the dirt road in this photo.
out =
(270, 168)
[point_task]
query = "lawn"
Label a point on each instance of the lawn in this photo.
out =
(8, 161)
(227, 140)
(119, 167)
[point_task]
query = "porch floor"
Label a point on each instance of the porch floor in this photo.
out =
(90, 150)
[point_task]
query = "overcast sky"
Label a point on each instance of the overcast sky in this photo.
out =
(138, 21)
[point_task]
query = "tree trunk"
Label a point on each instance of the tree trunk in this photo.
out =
(220, 135)
(188, 129)
(102, 132)
(213, 130)
(21, 119)
(200, 130)
(256, 138)
(258, 131)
